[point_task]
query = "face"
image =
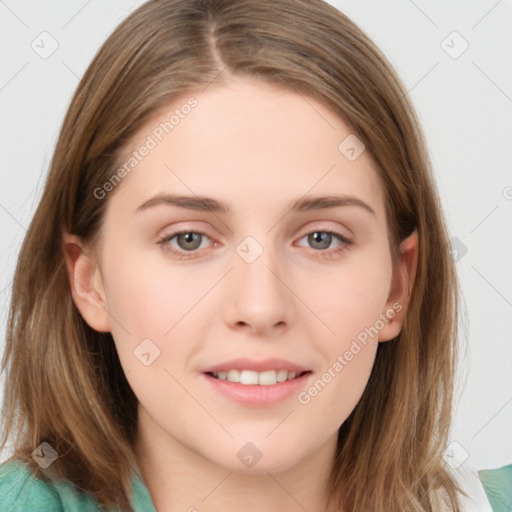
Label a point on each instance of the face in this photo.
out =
(262, 281)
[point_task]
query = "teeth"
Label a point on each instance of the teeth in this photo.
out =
(233, 376)
(250, 377)
(282, 375)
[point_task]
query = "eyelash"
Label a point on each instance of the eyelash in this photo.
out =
(328, 254)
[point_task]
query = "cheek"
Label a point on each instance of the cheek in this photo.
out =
(149, 302)
(335, 392)
(155, 314)
(348, 355)
(350, 298)
(349, 302)
(148, 299)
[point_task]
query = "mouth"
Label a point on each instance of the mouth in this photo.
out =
(256, 382)
(257, 389)
(254, 378)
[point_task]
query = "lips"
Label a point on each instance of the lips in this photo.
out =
(257, 395)
(257, 366)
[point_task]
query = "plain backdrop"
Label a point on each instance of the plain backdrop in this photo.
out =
(455, 59)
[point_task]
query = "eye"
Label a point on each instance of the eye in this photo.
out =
(188, 241)
(322, 239)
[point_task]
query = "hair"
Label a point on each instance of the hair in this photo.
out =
(64, 383)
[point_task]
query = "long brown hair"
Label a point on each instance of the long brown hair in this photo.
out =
(64, 381)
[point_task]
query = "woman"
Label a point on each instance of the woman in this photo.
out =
(237, 287)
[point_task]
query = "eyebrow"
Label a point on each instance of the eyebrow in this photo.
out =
(201, 203)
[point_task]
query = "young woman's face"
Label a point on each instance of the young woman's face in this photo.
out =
(269, 286)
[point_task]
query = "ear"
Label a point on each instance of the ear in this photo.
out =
(402, 282)
(86, 284)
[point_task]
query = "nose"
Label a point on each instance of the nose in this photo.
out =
(258, 298)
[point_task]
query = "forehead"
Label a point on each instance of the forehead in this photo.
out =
(247, 143)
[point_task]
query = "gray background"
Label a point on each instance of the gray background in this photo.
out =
(464, 100)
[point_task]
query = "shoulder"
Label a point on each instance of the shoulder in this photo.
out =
(22, 491)
(498, 487)
(19, 490)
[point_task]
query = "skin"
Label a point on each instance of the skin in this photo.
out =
(255, 147)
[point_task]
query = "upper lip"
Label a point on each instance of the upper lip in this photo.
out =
(255, 365)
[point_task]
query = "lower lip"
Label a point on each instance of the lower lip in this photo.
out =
(256, 395)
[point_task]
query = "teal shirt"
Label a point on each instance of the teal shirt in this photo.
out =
(20, 491)
(498, 487)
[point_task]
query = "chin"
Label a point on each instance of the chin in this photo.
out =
(254, 459)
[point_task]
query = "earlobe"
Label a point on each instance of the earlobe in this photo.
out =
(86, 284)
(402, 283)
